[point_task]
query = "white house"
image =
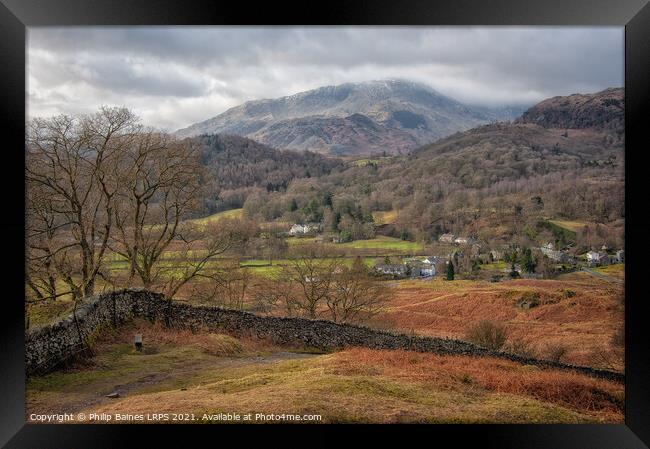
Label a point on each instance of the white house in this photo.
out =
(464, 240)
(428, 269)
(596, 258)
(447, 238)
(422, 268)
(432, 260)
(549, 251)
(548, 247)
(620, 256)
(297, 229)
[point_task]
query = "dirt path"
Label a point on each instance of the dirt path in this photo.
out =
(92, 399)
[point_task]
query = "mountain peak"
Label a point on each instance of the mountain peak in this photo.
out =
(387, 115)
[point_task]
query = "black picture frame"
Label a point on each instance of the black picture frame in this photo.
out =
(16, 15)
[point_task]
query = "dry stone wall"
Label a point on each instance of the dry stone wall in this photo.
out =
(48, 347)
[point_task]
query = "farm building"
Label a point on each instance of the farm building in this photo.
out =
(464, 240)
(427, 270)
(392, 269)
(596, 258)
(620, 256)
(420, 268)
(447, 238)
(298, 229)
(549, 251)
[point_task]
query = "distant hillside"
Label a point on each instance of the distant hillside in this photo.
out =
(498, 180)
(605, 109)
(390, 116)
(236, 164)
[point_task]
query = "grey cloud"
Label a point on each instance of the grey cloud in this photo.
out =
(171, 75)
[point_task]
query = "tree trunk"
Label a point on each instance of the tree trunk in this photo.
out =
(89, 288)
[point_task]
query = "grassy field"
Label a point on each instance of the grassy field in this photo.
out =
(612, 270)
(233, 213)
(384, 217)
(495, 266)
(384, 243)
(182, 372)
(579, 312)
(296, 241)
(380, 245)
(368, 161)
(46, 312)
(261, 267)
(572, 226)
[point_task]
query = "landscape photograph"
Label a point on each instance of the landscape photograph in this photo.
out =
(325, 225)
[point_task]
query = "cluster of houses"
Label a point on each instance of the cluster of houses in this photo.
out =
(593, 258)
(601, 257)
(556, 255)
(412, 267)
(424, 268)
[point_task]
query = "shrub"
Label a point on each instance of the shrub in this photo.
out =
(496, 278)
(345, 236)
(521, 347)
(487, 334)
(556, 352)
(528, 300)
(220, 345)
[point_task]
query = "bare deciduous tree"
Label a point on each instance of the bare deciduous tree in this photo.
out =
(356, 295)
(226, 285)
(313, 279)
(40, 273)
(71, 185)
(274, 292)
(232, 282)
(159, 180)
(198, 246)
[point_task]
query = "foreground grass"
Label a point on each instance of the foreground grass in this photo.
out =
(210, 373)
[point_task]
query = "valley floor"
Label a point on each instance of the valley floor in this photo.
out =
(181, 372)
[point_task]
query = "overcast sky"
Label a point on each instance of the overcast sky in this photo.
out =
(175, 76)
